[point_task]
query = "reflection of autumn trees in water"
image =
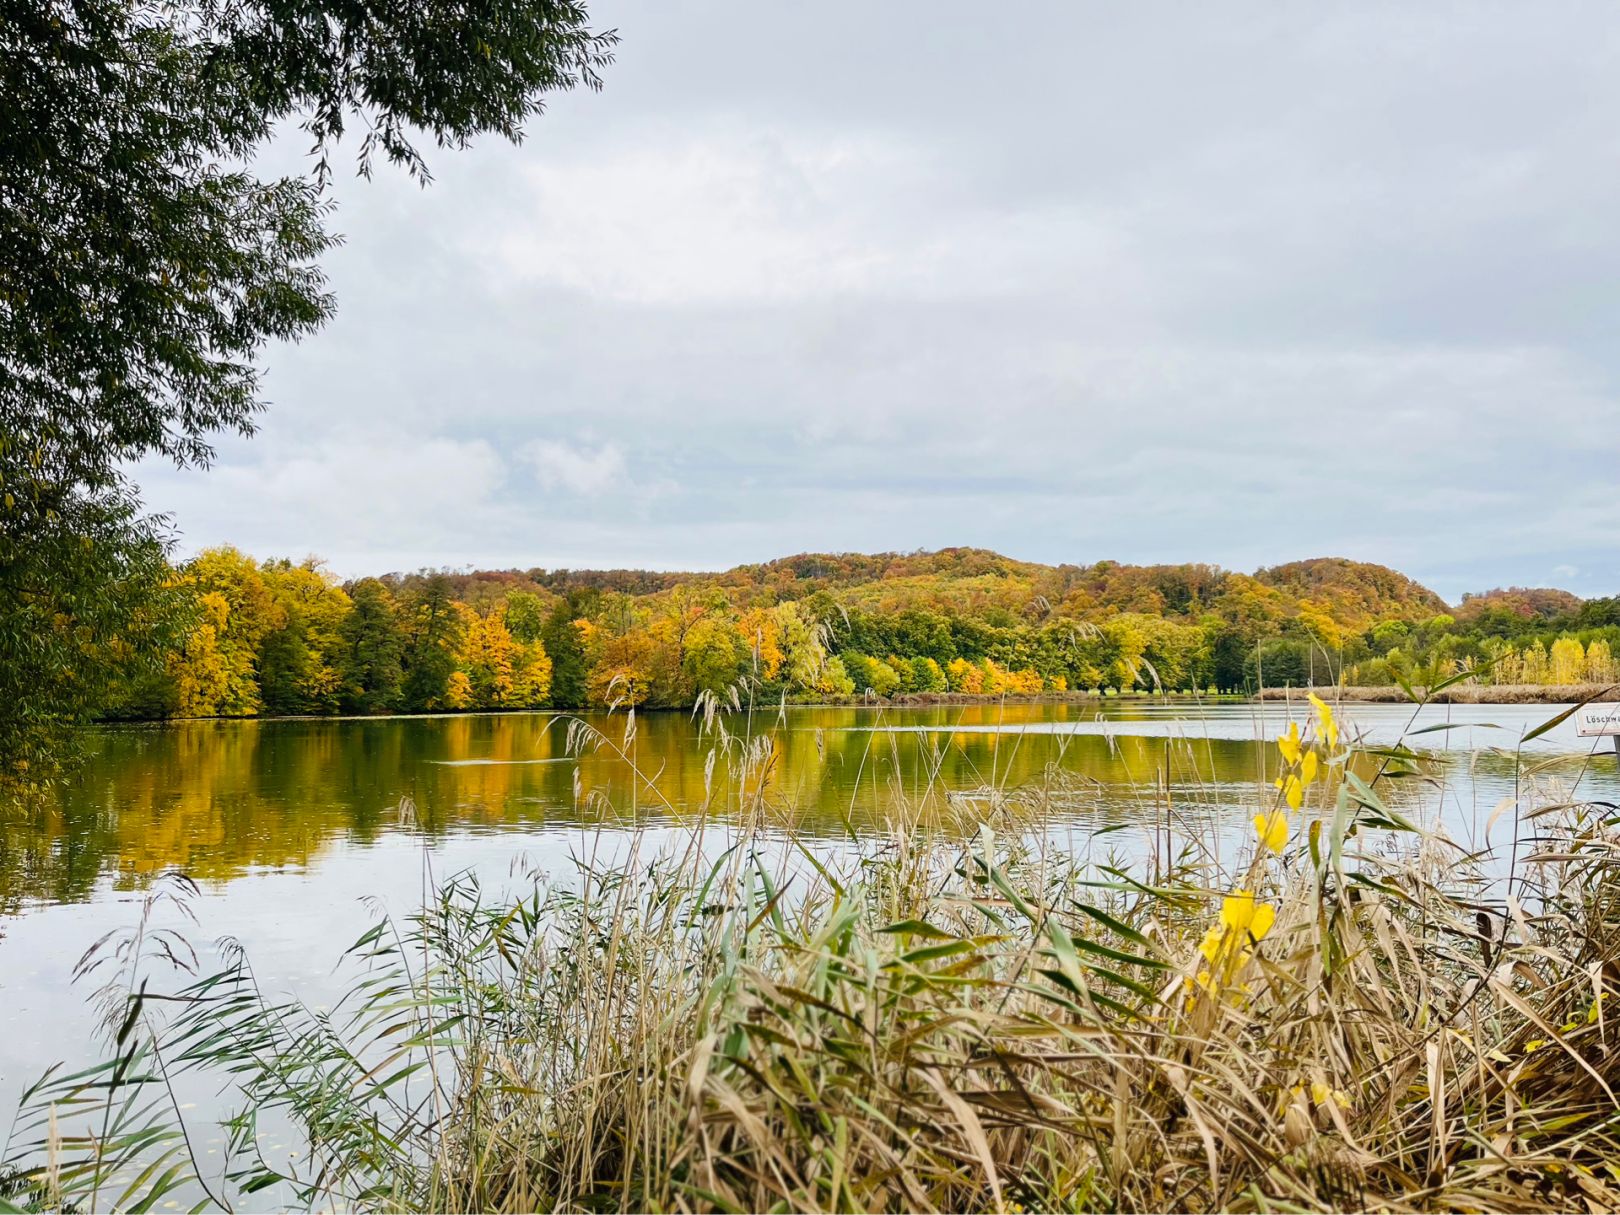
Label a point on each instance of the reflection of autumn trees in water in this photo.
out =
(215, 798)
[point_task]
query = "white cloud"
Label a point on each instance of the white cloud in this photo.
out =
(338, 494)
(744, 214)
(577, 468)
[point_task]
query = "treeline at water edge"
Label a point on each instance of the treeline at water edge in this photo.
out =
(280, 638)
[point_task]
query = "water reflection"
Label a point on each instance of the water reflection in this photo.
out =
(218, 799)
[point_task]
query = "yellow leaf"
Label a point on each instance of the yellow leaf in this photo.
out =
(1294, 792)
(1241, 913)
(1288, 744)
(1271, 830)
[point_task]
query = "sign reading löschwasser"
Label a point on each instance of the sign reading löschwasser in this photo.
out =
(1593, 720)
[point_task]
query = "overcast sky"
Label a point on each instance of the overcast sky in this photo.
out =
(1070, 281)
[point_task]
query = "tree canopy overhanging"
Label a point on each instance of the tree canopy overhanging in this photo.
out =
(145, 263)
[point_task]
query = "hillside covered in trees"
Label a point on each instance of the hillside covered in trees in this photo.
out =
(275, 637)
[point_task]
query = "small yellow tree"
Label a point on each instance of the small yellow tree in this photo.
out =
(1535, 667)
(532, 679)
(1566, 663)
(1600, 666)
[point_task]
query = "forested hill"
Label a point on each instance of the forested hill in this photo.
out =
(1348, 593)
(278, 637)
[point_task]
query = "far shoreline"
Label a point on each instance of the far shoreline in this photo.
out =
(1459, 694)
(914, 700)
(1462, 694)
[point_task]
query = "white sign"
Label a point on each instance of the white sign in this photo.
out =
(1595, 720)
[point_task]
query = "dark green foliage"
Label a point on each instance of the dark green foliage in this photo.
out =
(569, 664)
(1230, 649)
(1598, 613)
(370, 665)
(86, 615)
(284, 664)
(433, 630)
(122, 191)
(1282, 662)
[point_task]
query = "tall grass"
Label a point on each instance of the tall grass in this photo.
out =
(942, 1016)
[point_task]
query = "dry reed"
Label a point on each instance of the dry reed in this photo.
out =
(942, 1017)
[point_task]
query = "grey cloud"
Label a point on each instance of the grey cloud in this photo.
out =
(1235, 283)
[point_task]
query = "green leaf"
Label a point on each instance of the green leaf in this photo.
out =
(1553, 722)
(1116, 925)
(918, 928)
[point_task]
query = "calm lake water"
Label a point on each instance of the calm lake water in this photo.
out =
(294, 830)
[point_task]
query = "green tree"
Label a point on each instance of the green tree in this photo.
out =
(87, 615)
(570, 671)
(525, 616)
(369, 662)
(144, 265)
(433, 635)
(284, 668)
(298, 658)
(714, 656)
(927, 675)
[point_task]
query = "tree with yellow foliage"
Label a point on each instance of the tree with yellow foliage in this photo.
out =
(1600, 665)
(965, 677)
(218, 670)
(458, 691)
(1534, 661)
(1566, 662)
(532, 677)
(487, 656)
(201, 674)
(621, 668)
(761, 632)
(714, 657)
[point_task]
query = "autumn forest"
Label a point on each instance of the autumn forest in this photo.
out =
(279, 638)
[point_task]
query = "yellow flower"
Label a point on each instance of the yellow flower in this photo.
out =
(1307, 768)
(1241, 913)
(1288, 744)
(1210, 946)
(1272, 830)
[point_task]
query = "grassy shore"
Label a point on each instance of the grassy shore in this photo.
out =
(1460, 694)
(1348, 1014)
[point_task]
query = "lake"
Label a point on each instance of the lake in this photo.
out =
(295, 833)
